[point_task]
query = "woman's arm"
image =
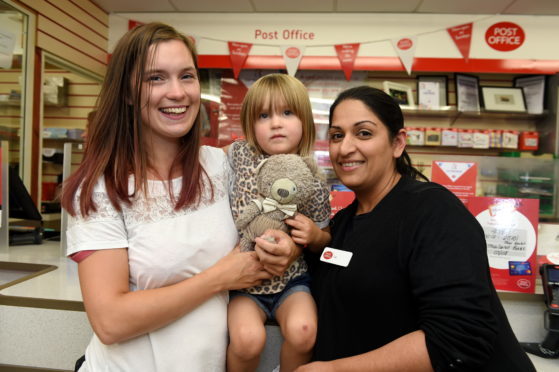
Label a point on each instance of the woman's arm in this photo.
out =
(118, 314)
(277, 255)
(407, 353)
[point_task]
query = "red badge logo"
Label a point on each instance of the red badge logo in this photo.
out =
(523, 283)
(505, 36)
(292, 52)
(404, 44)
(327, 255)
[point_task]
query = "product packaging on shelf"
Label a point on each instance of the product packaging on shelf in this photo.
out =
(481, 139)
(433, 136)
(528, 141)
(449, 137)
(510, 139)
(465, 138)
(415, 136)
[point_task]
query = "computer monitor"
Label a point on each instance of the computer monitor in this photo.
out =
(30, 229)
(21, 204)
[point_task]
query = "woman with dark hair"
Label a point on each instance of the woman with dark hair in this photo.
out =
(407, 287)
(151, 224)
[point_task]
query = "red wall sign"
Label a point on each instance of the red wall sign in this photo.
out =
(505, 36)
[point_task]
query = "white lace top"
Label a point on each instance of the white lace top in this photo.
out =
(164, 247)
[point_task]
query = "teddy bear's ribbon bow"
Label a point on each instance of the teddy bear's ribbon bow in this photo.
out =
(269, 205)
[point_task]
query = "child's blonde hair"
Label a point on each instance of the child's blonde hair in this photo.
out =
(271, 90)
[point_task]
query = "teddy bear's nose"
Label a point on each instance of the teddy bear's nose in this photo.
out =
(283, 193)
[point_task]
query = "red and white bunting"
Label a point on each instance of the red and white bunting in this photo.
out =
(347, 54)
(292, 56)
(238, 53)
(462, 36)
(405, 48)
(195, 39)
(132, 23)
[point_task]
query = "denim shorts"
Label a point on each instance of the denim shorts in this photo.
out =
(269, 303)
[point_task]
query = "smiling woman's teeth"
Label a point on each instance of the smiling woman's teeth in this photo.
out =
(352, 164)
(173, 110)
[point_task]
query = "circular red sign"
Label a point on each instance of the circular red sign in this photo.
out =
(292, 52)
(505, 36)
(523, 283)
(404, 44)
(327, 255)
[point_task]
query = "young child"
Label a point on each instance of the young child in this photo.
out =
(276, 117)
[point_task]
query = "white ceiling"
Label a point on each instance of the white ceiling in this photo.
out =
(529, 7)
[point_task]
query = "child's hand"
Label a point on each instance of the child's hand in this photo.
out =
(303, 230)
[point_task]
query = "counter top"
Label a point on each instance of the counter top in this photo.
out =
(57, 289)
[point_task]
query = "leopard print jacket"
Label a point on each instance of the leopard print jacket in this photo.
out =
(244, 159)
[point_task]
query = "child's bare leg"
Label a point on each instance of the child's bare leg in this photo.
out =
(297, 319)
(247, 335)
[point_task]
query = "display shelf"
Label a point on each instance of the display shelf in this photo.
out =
(62, 140)
(453, 114)
(10, 103)
(51, 216)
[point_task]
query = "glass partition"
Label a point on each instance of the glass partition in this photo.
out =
(13, 63)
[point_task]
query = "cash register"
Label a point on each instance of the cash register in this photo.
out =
(549, 347)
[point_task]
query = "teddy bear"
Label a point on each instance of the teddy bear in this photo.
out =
(285, 182)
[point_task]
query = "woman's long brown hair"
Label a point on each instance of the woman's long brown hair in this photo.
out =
(115, 141)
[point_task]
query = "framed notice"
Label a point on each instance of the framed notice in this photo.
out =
(467, 92)
(503, 99)
(432, 92)
(534, 92)
(401, 93)
(510, 226)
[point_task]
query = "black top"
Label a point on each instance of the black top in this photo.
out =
(419, 263)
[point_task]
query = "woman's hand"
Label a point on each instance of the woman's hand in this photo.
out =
(241, 270)
(276, 251)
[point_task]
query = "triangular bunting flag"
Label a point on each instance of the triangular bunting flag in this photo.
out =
(195, 39)
(347, 54)
(462, 36)
(405, 48)
(238, 52)
(292, 56)
(132, 24)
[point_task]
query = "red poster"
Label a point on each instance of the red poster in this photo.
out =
(339, 200)
(458, 177)
(238, 53)
(510, 227)
(347, 54)
(232, 94)
(462, 36)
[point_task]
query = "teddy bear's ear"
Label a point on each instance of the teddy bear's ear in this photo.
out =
(260, 166)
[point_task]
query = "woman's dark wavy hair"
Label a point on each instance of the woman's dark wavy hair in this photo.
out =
(389, 112)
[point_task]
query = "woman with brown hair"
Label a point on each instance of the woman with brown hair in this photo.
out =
(151, 223)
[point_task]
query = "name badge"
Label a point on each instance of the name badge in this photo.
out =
(336, 256)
